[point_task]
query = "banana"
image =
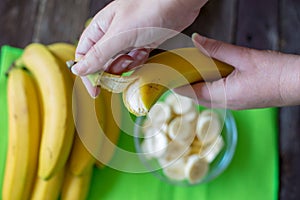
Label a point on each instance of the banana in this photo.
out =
(166, 71)
(76, 187)
(210, 151)
(183, 105)
(176, 170)
(62, 51)
(55, 86)
(181, 131)
(24, 135)
(113, 116)
(160, 113)
(195, 169)
(80, 159)
(88, 141)
(156, 146)
(174, 151)
(208, 126)
(48, 189)
(160, 73)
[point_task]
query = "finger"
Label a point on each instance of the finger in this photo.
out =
(212, 94)
(140, 56)
(94, 32)
(101, 52)
(93, 91)
(120, 64)
(230, 54)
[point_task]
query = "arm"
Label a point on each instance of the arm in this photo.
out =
(260, 78)
(118, 28)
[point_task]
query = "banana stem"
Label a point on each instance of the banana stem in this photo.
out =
(16, 64)
(93, 78)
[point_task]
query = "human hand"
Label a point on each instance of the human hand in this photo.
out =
(260, 79)
(118, 29)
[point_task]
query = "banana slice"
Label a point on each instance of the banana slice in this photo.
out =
(182, 105)
(181, 131)
(176, 171)
(190, 116)
(157, 119)
(208, 127)
(210, 151)
(196, 147)
(196, 169)
(174, 151)
(171, 99)
(156, 146)
(151, 131)
(160, 113)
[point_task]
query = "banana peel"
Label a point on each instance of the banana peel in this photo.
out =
(160, 73)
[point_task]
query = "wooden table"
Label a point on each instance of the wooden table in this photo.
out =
(261, 24)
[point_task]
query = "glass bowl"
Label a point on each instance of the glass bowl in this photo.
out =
(228, 132)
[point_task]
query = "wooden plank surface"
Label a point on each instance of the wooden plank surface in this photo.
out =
(268, 24)
(60, 21)
(17, 22)
(257, 24)
(290, 116)
(216, 20)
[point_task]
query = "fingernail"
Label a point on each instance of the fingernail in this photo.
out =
(74, 71)
(126, 63)
(96, 93)
(141, 55)
(198, 38)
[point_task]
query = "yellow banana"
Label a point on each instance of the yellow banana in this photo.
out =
(63, 51)
(55, 86)
(90, 121)
(169, 70)
(24, 135)
(112, 130)
(80, 158)
(76, 187)
(164, 71)
(48, 189)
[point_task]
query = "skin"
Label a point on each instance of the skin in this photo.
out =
(260, 78)
(112, 33)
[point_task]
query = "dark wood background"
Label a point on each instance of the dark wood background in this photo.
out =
(261, 24)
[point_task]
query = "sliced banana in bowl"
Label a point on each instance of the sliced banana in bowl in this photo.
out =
(183, 143)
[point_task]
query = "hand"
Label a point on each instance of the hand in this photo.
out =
(118, 29)
(260, 78)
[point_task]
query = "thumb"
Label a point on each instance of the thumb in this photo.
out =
(216, 93)
(222, 51)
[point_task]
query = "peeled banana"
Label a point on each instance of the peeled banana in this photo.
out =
(24, 135)
(169, 70)
(55, 86)
(164, 71)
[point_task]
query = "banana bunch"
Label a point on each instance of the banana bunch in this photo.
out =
(160, 73)
(53, 146)
(183, 140)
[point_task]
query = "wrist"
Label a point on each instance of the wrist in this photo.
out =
(191, 4)
(179, 14)
(290, 81)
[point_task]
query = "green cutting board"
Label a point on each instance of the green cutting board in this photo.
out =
(252, 174)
